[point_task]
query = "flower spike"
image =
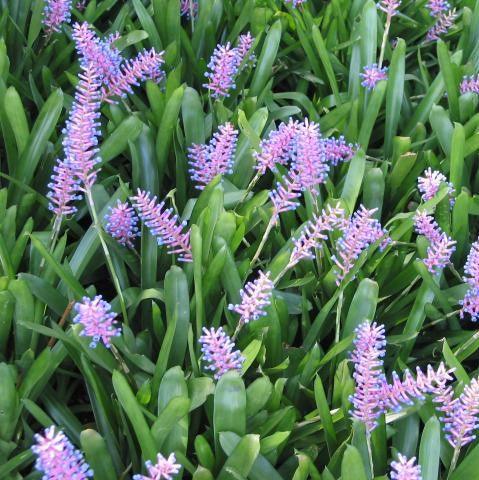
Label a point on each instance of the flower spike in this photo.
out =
(218, 350)
(122, 224)
(57, 458)
(163, 469)
(56, 13)
(405, 469)
(372, 75)
(164, 225)
(470, 303)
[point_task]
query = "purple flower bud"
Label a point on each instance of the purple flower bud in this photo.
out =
(277, 148)
(145, 66)
(57, 458)
(470, 303)
(309, 157)
(188, 8)
(97, 319)
(441, 247)
(122, 224)
(56, 13)
(219, 351)
(163, 469)
(390, 7)
(372, 75)
(82, 129)
(63, 190)
(223, 65)
(405, 469)
(315, 232)
(285, 194)
(358, 234)
(208, 161)
(431, 182)
(244, 48)
(470, 84)
(369, 349)
(437, 7)
(164, 225)
(443, 23)
(336, 150)
(255, 297)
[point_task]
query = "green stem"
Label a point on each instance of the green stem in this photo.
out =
(385, 39)
(108, 258)
(250, 187)
(370, 453)
(454, 460)
(270, 226)
(338, 316)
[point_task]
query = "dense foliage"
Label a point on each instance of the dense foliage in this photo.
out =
(239, 239)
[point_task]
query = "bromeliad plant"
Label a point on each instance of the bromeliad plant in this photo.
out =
(214, 215)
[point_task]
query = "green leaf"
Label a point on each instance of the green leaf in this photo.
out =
(430, 449)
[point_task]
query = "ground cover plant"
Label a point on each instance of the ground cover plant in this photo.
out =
(239, 239)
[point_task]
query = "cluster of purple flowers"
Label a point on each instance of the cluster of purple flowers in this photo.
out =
(163, 224)
(122, 224)
(357, 235)
(470, 302)
(225, 64)
(188, 8)
(315, 232)
(310, 154)
(295, 3)
(372, 75)
(117, 75)
(216, 158)
(444, 18)
(430, 183)
(98, 320)
(255, 298)
(56, 13)
(441, 246)
(57, 458)
(470, 84)
(404, 469)
(373, 395)
(163, 469)
(389, 7)
(219, 351)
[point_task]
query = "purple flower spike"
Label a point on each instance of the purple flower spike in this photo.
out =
(441, 247)
(405, 391)
(223, 66)
(295, 3)
(437, 7)
(97, 320)
(470, 84)
(405, 469)
(62, 190)
(122, 224)
(314, 233)
(461, 418)
(244, 48)
(102, 54)
(443, 23)
(55, 14)
(277, 148)
(208, 161)
(470, 303)
(336, 150)
(163, 469)
(164, 225)
(309, 158)
(57, 458)
(372, 75)
(285, 195)
(390, 7)
(430, 183)
(145, 66)
(369, 348)
(82, 130)
(188, 8)
(358, 234)
(219, 351)
(255, 297)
